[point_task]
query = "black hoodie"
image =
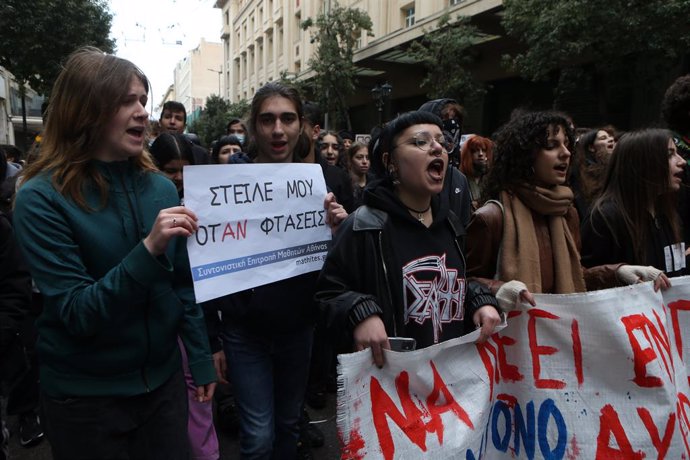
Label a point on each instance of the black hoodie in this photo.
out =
(456, 189)
(384, 261)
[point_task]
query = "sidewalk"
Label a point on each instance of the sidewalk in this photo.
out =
(229, 445)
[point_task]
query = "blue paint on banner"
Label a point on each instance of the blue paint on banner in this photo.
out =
(524, 429)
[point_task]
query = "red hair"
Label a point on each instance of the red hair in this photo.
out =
(470, 145)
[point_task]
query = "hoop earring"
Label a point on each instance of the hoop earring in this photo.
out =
(393, 174)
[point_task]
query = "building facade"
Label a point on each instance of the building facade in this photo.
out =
(263, 39)
(196, 77)
(11, 119)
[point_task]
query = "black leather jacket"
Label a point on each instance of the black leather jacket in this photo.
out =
(356, 280)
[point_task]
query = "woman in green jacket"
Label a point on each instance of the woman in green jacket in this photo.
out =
(105, 241)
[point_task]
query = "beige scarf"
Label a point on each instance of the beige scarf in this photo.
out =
(519, 256)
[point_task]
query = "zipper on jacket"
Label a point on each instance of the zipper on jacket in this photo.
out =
(148, 346)
(138, 231)
(464, 268)
(388, 284)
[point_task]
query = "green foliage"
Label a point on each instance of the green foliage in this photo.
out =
(304, 87)
(213, 121)
(38, 35)
(336, 34)
(446, 53)
(609, 33)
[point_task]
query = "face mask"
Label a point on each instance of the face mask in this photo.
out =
(452, 126)
(240, 137)
(479, 168)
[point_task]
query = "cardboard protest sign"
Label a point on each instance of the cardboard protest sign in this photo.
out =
(258, 223)
(599, 375)
(363, 138)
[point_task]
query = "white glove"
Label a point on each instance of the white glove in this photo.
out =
(508, 295)
(631, 274)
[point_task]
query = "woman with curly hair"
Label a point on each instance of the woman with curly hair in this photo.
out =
(475, 160)
(529, 230)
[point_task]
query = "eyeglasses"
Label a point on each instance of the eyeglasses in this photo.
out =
(425, 141)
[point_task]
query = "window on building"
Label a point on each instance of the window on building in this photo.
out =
(269, 50)
(280, 41)
(298, 26)
(227, 18)
(409, 16)
(455, 2)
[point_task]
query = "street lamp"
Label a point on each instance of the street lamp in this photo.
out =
(219, 72)
(380, 94)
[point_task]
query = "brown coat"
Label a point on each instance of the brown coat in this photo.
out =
(484, 235)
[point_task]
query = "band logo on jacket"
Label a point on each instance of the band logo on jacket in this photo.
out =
(432, 292)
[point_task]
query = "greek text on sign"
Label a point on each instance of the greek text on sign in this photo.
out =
(258, 223)
(600, 375)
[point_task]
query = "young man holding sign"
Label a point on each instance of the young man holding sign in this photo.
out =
(267, 330)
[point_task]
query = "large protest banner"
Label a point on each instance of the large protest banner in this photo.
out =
(258, 223)
(601, 375)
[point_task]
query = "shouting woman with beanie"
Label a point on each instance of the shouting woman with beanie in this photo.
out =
(401, 252)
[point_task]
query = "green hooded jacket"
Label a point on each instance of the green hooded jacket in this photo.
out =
(112, 311)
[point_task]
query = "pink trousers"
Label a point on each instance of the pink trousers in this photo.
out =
(203, 442)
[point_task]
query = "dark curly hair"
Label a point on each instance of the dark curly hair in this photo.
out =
(675, 107)
(517, 143)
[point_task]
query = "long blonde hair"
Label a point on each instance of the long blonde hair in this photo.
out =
(86, 96)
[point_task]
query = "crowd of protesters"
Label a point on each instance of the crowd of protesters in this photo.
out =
(96, 298)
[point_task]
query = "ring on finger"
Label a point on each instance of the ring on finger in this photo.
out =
(174, 222)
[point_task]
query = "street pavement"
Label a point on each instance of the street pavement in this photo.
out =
(229, 444)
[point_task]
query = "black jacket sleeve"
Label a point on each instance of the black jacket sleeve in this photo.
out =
(478, 295)
(342, 283)
(15, 283)
(602, 239)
